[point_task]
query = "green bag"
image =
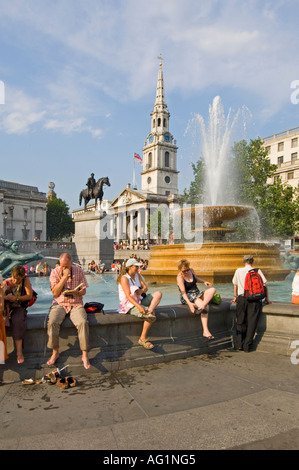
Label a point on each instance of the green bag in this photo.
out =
(216, 299)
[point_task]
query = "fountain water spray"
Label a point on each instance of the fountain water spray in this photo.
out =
(216, 140)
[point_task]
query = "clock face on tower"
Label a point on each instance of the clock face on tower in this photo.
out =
(151, 138)
(166, 137)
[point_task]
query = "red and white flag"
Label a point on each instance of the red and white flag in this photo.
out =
(137, 157)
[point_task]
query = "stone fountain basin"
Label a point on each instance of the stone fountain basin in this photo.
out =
(214, 216)
(214, 262)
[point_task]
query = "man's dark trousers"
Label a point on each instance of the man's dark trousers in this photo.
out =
(248, 314)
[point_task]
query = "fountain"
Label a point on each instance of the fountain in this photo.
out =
(212, 257)
(11, 257)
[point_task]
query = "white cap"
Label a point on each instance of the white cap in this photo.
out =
(132, 262)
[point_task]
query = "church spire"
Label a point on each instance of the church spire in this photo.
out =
(160, 175)
(160, 98)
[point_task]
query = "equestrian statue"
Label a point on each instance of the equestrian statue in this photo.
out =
(94, 190)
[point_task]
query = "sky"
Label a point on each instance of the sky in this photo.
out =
(79, 77)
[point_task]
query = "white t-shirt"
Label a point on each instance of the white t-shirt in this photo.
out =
(239, 278)
(295, 285)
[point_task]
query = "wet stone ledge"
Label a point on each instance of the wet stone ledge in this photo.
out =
(176, 334)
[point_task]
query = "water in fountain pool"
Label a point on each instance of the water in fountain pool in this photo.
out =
(103, 288)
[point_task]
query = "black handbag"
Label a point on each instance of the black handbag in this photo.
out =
(93, 307)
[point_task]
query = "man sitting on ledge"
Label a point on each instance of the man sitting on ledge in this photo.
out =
(64, 278)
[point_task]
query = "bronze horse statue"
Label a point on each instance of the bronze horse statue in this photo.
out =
(95, 193)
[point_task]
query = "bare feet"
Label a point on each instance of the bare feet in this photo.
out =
(208, 336)
(53, 358)
(20, 359)
(85, 360)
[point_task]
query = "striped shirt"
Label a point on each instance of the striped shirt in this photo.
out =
(77, 277)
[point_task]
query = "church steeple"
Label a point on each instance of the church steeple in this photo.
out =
(159, 173)
(160, 98)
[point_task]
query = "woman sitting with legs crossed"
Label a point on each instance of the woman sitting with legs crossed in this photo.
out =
(135, 300)
(196, 300)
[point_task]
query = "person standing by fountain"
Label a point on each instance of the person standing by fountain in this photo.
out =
(247, 313)
(68, 277)
(196, 300)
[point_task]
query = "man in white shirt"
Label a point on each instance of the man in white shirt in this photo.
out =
(247, 312)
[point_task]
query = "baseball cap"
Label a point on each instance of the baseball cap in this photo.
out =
(132, 262)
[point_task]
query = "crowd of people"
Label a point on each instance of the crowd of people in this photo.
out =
(43, 269)
(115, 266)
(68, 285)
(142, 245)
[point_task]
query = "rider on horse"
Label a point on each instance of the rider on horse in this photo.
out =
(91, 182)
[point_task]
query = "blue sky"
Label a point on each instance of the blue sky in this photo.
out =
(80, 79)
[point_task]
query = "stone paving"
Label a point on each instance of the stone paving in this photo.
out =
(222, 400)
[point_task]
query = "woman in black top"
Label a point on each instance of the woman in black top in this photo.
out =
(196, 300)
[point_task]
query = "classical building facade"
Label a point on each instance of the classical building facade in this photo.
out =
(22, 212)
(283, 151)
(159, 177)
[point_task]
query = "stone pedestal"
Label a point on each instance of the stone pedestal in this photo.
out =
(93, 237)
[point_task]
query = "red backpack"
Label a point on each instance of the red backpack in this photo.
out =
(254, 287)
(28, 303)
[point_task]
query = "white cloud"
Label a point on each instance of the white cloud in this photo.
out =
(20, 112)
(99, 50)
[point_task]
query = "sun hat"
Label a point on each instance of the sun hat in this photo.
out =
(132, 262)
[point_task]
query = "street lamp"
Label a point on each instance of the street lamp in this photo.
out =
(11, 208)
(5, 215)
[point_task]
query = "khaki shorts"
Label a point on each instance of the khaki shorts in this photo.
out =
(145, 303)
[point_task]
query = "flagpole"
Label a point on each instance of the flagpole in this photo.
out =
(134, 172)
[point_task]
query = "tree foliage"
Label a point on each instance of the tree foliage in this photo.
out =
(59, 221)
(194, 195)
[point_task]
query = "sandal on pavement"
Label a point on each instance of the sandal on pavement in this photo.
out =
(29, 381)
(62, 383)
(71, 381)
(145, 343)
(53, 378)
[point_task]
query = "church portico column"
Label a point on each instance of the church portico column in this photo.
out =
(139, 218)
(131, 227)
(146, 221)
(119, 226)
